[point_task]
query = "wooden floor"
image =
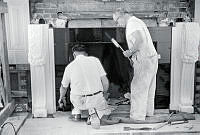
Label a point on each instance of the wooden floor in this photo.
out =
(61, 125)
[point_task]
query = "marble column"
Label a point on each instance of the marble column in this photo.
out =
(41, 59)
(185, 43)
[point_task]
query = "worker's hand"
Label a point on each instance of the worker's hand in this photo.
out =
(127, 53)
(62, 102)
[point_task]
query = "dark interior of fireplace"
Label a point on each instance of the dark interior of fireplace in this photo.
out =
(115, 64)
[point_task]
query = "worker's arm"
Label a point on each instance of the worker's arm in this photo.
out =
(62, 99)
(105, 84)
(136, 39)
(64, 85)
(63, 91)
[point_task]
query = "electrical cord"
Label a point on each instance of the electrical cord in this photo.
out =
(2, 127)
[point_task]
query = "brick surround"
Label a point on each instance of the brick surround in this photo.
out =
(104, 8)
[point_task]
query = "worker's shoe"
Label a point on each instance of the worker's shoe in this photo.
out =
(75, 117)
(88, 122)
(95, 121)
(105, 120)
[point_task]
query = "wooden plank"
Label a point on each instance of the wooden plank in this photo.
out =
(3, 7)
(2, 90)
(4, 59)
(7, 111)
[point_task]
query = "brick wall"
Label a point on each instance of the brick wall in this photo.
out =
(197, 85)
(104, 8)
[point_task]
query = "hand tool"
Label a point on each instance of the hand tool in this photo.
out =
(149, 128)
(118, 46)
(165, 123)
(114, 41)
(123, 101)
(178, 122)
(142, 128)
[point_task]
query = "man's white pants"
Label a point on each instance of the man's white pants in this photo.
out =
(89, 103)
(143, 87)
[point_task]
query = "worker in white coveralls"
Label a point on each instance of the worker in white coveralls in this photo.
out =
(145, 58)
(88, 83)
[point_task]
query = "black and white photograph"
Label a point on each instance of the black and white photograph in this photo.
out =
(99, 67)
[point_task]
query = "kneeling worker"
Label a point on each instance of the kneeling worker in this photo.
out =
(88, 83)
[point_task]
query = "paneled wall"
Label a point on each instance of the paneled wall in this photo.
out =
(104, 8)
(17, 21)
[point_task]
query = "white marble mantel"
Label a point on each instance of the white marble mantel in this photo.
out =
(184, 54)
(42, 66)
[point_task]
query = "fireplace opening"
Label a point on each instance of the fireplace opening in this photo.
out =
(117, 67)
(115, 64)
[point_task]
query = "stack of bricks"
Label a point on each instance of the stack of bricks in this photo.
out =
(49, 8)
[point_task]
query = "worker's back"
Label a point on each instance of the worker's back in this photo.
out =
(85, 75)
(146, 47)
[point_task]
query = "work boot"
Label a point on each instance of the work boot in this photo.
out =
(105, 120)
(95, 121)
(88, 122)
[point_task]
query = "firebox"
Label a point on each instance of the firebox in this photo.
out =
(115, 64)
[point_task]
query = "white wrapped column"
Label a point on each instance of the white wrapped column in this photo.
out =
(50, 75)
(185, 42)
(38, 91)
(187, 88)
(175, 81)
(41, 59)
